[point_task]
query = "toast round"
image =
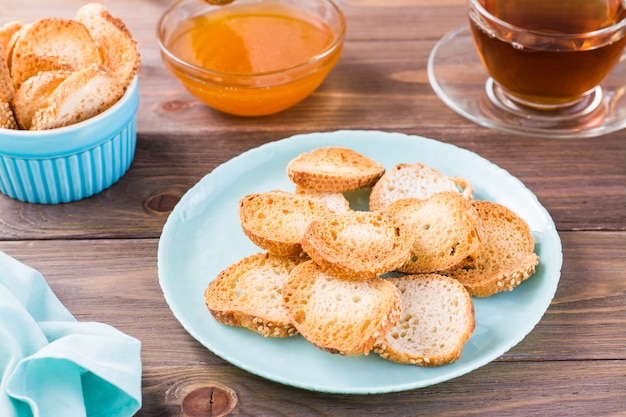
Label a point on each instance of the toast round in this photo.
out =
(31, 64)
(415, 180)
(7, 118)
(334, 169)
(248, 294)
(507, 257)
(9, 33)
(66, 38)
(7, 90)
(276, 220)
(120, 55)
(34, 94)
(82, 95)
(336, 315)
(6, 33)
(437, 319)
(357, 245)
(445, 231)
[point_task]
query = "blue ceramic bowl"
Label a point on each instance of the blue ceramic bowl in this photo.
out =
(74, 162)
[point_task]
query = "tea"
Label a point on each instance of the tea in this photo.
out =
(558, 67)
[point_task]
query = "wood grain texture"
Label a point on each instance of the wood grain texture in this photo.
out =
(99, 255)
(515, 389)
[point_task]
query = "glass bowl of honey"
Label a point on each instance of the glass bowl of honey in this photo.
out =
(251, 57)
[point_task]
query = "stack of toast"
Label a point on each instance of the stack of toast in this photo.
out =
(55, 72)
(396, 280)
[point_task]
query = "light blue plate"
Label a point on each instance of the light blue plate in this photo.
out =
(202, 236)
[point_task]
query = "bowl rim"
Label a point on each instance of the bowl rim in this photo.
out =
(74, 138)
(478, 11)
(337, 42)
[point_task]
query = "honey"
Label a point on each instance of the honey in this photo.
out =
(262, 57)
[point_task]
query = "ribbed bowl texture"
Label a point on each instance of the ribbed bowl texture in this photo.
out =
(74, 162)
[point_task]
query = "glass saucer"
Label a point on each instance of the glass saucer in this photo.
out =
(459, 78)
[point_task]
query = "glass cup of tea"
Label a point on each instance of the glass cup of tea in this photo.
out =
(546, 59)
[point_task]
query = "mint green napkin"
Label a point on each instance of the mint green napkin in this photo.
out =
(52, 365)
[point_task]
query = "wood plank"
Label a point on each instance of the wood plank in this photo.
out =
(588, 312)
(495, 390)
(582, 185)
(408, 19)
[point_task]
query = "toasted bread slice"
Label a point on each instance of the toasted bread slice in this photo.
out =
(82, 95)
(507, 257)
(445, 231)
(34, 94)
(7, 118)
(9, 32)
(7, 91)
(437, 320)
(34, 63)
(248, 294)
(336, 315)
(337, 202)
(276, 220)
(357, 245)
(65, 38)
(120, 54)
(416, 180)
(334, 169)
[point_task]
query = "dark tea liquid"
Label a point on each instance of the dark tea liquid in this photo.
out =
(556, 72)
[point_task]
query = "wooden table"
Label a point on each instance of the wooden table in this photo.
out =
(99, 255)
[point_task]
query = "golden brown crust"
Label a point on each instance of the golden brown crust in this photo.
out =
(507, 258)
(7, 91)
(6, 33)
(334, 169)
(276, 220)
(31, 64)
(34, 95)
(337, 202)
(9, 33)
(119, 51)
(82, 95)
(357, 245)
(65, 38)
(7, 118)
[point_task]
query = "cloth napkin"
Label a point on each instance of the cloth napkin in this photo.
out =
(51, 365)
